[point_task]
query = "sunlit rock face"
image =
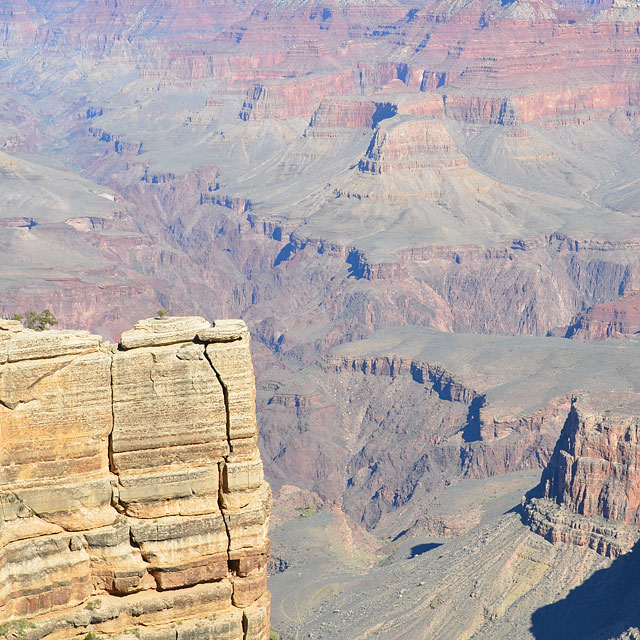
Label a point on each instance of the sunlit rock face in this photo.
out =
(131, 488)
(591, 486)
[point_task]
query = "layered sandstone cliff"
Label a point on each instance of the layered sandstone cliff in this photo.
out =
(132, 497)
(590, 490)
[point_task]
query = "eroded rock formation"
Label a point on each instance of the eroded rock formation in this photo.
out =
(590, 490)
(617, 319)
(132, 495)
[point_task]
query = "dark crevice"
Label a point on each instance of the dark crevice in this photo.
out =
(10, 405)
(285, 253)
(112, 466)
(383, 111)
(50, 373)
(225, 395)
(419, 549)
(357, 266)
(245, 625)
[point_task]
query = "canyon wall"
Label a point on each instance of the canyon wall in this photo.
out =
(132, 496)
(589, 494)
(616, 319)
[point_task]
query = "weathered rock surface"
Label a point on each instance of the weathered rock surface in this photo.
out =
(615, 319)
(421, 410)
(131, 487)
(590, 490)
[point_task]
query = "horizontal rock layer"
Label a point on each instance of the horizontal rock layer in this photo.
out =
(617, 319)
(131, 487)
(590, 490)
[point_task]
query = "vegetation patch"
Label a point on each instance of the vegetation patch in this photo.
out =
(306, 511)
(16, 628)
(92, 605)
(38, 321)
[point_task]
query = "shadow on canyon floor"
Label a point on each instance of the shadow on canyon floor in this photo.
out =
(419, 549)
(604, 606)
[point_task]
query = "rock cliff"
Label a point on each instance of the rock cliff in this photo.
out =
(616, 319)
(590, 490)
(132, 497)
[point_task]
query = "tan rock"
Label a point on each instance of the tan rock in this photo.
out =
(232, 363)
(169, 430)
(56, 418)
(161, 331)
(35, 345)
(116, 566)
(225, 331)
(186, 491)
(256, 619)
(183, 550)
(45, 574)
(132, 494)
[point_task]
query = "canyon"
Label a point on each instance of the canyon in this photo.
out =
(428, 215)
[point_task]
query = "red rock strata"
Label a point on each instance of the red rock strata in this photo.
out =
(590, 490)
(619, 318)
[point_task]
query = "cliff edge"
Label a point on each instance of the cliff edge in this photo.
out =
(132, 496)
(589, 494)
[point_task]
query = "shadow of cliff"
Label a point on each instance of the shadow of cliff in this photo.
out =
(419, 549)
(604, 606)
(471, 431)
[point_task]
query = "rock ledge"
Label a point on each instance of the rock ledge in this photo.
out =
(132, 497)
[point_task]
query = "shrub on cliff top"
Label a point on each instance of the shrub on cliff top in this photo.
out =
(38, 321)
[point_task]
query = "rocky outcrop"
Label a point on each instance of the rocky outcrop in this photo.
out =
(617, 319)
(285, 98)
(589, 494)
(132, 497)
(410, 143)
(18, 24)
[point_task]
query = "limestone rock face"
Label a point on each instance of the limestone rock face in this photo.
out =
(590, 490)
(131, 486)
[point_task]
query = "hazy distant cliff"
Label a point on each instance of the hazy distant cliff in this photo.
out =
(132, 498)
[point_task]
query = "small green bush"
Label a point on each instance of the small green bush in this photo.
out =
(38, 321)
(307, 511)
(274, 635)
(92, 605)
(16, 628)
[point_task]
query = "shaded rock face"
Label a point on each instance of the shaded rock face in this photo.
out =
(409, 430)
(131, 486)
(590, 490)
